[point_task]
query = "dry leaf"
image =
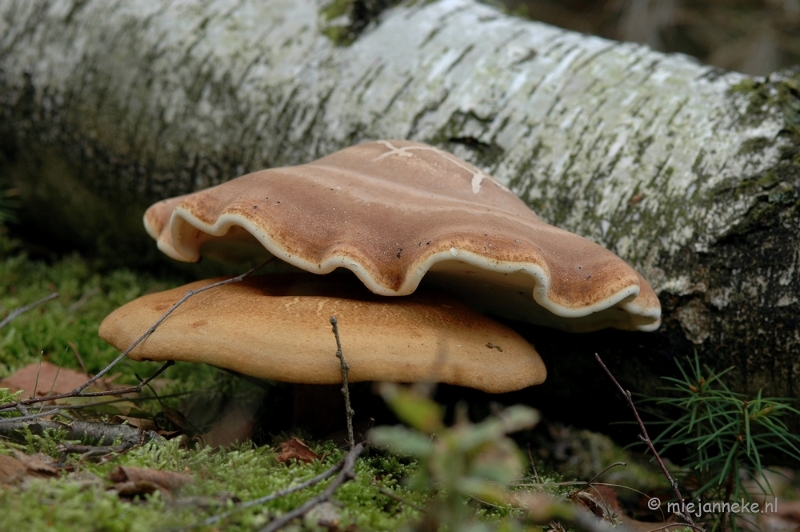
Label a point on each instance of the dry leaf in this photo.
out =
(38, 463)
(15, 469)
(47, 378)
(789, 510)
(145, 479)
(592, 503)
(295, 449)
(138, 488)
(11, 470)
(43, 378)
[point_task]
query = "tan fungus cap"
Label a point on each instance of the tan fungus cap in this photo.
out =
(277, 327)
(394, 212)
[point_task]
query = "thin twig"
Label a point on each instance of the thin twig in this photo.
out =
(153, 328)
(345, 385)
(609, 466)
(83, 299)
(398, 498)
(121, 391)
(646, 438)
(347, 473)
(78, 357)
(26, 308)
(590, 482)
(29, 417)
(39, 372)
(78, 392)
(533, 466)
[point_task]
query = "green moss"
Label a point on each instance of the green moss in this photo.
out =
(55, 330)
(778, 97)
(342, 21)
(80, 500)
(765, 95)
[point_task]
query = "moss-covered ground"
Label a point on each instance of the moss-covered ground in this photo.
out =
(54, 488)
(76, 492)
(79, 495)
(81, 499)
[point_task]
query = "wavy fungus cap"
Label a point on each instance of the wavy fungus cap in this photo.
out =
(394, 212)
(276, 327)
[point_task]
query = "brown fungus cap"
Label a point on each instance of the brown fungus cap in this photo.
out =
(394, 212)
(277, 327)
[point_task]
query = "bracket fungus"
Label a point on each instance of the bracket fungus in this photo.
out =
(396, 211)
(396, 214)
(276, 327)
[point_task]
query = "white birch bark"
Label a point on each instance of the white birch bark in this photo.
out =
(687, 172)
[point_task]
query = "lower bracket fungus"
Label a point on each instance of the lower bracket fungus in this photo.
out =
(277, 327)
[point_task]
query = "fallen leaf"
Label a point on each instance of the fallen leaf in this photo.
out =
(43, 378)
(11, 470)
(38, 463)
(790, 510)
(177, 419)
(15, 469)
(595, 504)
(146, 478)
(295, 449)
(138, 488)
(47, 378)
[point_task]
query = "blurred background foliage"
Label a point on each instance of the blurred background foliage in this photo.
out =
(756, 37)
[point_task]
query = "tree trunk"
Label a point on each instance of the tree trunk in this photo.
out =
(688, 172)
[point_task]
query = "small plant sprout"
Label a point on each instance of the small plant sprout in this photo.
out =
(466, 459)
(726, 435)
(471, 460)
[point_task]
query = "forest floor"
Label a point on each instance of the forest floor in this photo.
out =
(189, 450)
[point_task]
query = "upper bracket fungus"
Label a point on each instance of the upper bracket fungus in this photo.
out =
(395, 212)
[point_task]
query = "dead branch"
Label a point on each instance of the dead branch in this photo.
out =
(87, 451)
(26, 308)
(83, 299)
(646, 439)
(98, 434)
(345, 385)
